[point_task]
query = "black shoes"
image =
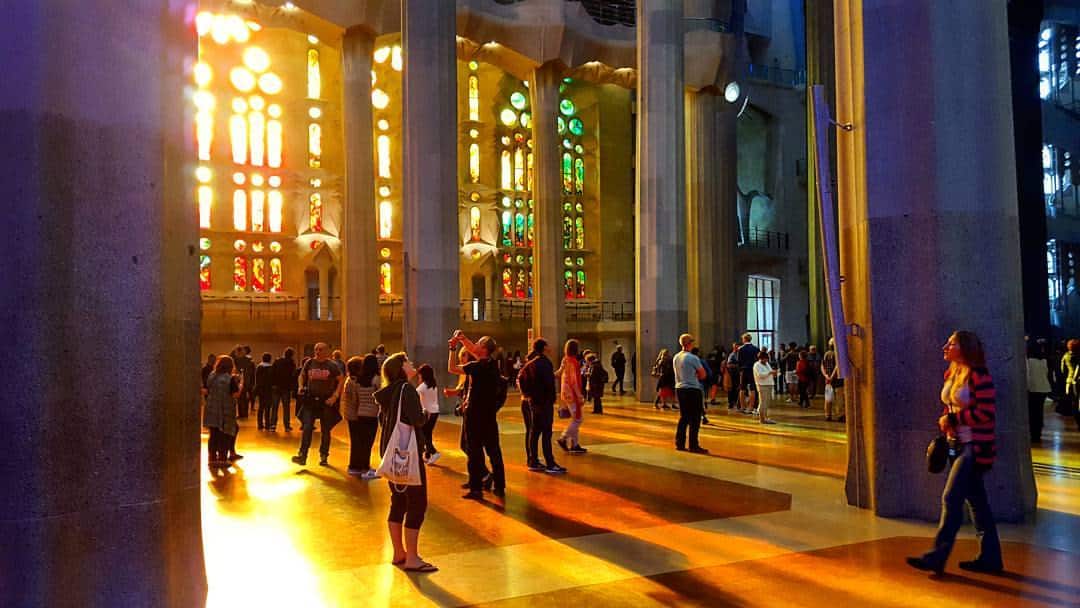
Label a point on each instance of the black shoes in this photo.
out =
(981, 567)
(562, 444)
(474, 495)
(536, 466)
(555, 470)
(488, 482)
(680, 448)
(577, 449)
(324, 462)
(704, 420)
(500, 492)
(699, 450)
(300, 460)
(920, 563)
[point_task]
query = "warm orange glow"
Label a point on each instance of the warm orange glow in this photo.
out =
(275, 275)
(395, 58)
(386, 278)
(519, 169)
(239, 210)
(203, 74)
(474, 97)
(507, 176)
(256, 59)
(242, 79)
(314, 145)
(275, 203)
(383, 146)
(204, 133)
(206, 202)
(474, 163)
(386, 219)
(238, 137)
(270, 84)
(257, 126)
(258, 208)
(273, 143)
(314, 82)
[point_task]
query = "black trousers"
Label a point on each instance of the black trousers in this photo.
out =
(483, 436)
(691, 409)
(217, 447)
(1036, 402)
(408, 504)
(619, 373)
(361, 438)
(266, 398)
(527, 418)
(542, 417)
(429, 428)
(804, 394)
(598, 402)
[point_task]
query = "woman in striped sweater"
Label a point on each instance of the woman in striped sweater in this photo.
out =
(968, 422)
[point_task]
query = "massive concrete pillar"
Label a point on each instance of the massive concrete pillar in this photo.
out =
(728, 290)
(661, 185)
(360, 276)
(929, 239)
(99, 311)
(702, 212)
(430, 189)
(549, 301)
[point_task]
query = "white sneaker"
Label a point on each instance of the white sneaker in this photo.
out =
(369, 474)
(768, 421)
(434, 458)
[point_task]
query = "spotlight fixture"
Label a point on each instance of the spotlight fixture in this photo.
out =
(732, 92)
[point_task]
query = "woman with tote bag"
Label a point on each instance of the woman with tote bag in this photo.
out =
(402, 419)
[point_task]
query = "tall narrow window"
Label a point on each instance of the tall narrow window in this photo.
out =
(519, 169)
(204, 132)
(258, 274)
(275, 204)
(531, 230)
(529, 171)
(474, 224)
(580, 287)
(762, 308)
(507, 170)
(579, 175)
(520, 288)
(239, 210)
(238, 137)
(314, 146)
(507, 283)
(273, 143)
(568, 283)
(386, 219)
(474, 163)
(240, 269)
(206, 203)
(315, 210)
(204, 272)
(579, 232)
(567, 232)
(314, 78)
(507, 229)
(474, 97)
(386, 278)
(257, 128)
(275, 275)
(258, 210)
(519, 230)
(383, 147)
(567, 173)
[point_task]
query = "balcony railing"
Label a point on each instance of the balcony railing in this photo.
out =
(766, 239)
(512, 309)
(253, 307)
(775, 75)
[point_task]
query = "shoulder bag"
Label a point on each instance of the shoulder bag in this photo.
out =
(401, 460)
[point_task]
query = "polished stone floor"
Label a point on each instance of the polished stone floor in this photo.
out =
(759, 522)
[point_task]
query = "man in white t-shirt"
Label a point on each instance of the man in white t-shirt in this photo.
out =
(689, 375)
(765, 379)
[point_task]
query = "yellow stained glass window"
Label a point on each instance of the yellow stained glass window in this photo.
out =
(529, 171)
(474, 97)
(206, 202)
(383, 146)
(273, 143)
(258, 274)
(239, 210)
(257, 129)
(240, 268)
(314, 78)
(238, 137)
(204, 272)
(275, 204)
(474, 163)
(315, 210)
(474, 224)
(204, 132)
(276, 278)
(507, 170)
(519, 169)
(386, 219)
(314, 145)
(258, 210)
(386, 278)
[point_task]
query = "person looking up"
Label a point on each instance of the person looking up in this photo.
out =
(482, 403)
(428, 389)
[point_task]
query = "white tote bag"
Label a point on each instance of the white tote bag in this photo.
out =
(401, 461)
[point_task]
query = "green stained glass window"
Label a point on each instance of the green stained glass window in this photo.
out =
(568, 283)
(531, 230)
(579, 233)
(568, 80)
(566, 144)
(204, 243)
(518, 203)
(562, 125)
(580, 261)
(518, 100)
(579, 208)
(566, 107)
(579, 175)
(576, 126)
(519, 230)
(520, 259)
(567, 173)
(567, 207)
(507, 238)
(567, 232)
(568, 261)
(526, 120)
(580, 284)
(579, 149)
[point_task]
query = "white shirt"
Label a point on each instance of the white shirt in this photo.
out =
(429, 398)
(763, 375)
(1036, 376)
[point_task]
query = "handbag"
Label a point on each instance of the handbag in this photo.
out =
(830, 392)
(401, 461)
(937, 454)
(564, 411)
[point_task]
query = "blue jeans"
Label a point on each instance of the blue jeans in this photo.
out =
(965, 484)
(280, 399)
(308, 415)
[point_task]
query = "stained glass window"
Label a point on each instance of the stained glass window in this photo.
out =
(580, 284)
(576, 126)
(314, 78)
(567, 232)
(567, 173)
(474, 97)
(568, 283)
(529, 171)
(579, 232)
(474, 224)
(275, 204)
(239, 210)
(386, 278)
(579, 175)
(383, 146)
(519, 169)
(206, 203)
(240, 268)
(258, 274)
(273, 143)
(314, 146)
(315, 212)
(507, 229)
(204, 272)
(531, 230)
(238, 138)
(258, 210)
(474, 163)
(204, 132)
(507, 170)
(275, 274)
(566, 107)
(507, 283)
(518, 100)
(519, 230)
(257, 132)
(521, 288)
(386, 219)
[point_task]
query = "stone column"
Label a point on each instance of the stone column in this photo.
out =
(728, 289)
(702, 211)
(360, 271)
(100, 507)
(661, 183)
(929, 239)
(430, 179)
(549, 301)
(324, 292)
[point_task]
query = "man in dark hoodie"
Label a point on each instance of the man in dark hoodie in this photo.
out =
(481, 407)
(263, 391)
(538, 393)
(283, 375)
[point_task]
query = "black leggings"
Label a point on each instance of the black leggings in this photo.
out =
(361, 438)
(429, 442)
(410, 505)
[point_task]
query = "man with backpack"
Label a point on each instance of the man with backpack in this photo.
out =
(487, 394)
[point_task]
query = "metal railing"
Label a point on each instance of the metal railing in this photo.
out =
(766, 239)
(506, 310)
(775, 75)
(252, 307)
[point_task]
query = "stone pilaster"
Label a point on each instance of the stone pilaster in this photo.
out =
(661, 184)
(929, 239)
(702, 212)
(430, 179)
(360, 274)
(549, 301)
(100, 305)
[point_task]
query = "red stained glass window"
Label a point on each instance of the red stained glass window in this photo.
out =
(240, 271)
